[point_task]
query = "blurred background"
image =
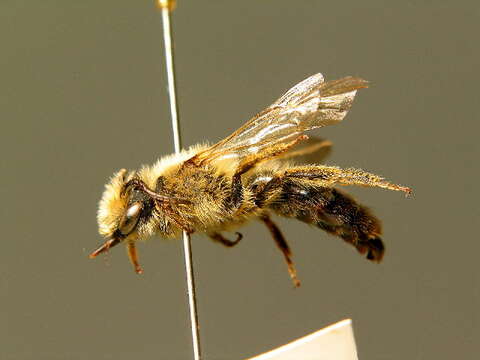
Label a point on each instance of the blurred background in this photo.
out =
(83, 94)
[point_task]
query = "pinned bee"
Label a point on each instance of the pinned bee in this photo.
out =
(212, 189)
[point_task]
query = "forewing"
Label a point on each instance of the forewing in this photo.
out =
(308, 105)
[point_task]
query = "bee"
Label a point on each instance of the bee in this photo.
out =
(250, 175)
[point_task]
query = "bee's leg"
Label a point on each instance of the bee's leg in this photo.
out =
(251, 161)
(330, 210)
(331, 176)
(132, 255)
(224, 241)
(283, 246)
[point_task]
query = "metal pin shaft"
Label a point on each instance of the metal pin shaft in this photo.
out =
(166, 7)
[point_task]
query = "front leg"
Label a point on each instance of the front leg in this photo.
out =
(133, 256)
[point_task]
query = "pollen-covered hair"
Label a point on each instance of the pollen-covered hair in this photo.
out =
(112, 205)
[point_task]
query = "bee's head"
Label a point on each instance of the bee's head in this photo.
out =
(120, 211)
(130, 210)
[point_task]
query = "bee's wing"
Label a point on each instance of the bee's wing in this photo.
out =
(311, 151)
(308, 105)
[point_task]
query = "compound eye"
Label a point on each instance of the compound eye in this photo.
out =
(130, 218)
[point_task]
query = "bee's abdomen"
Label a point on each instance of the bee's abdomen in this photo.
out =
(328, 208)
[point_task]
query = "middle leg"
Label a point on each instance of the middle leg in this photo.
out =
(217, 237)
(283, 246)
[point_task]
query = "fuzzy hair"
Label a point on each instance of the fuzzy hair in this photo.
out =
(112, 205)
(167, 164)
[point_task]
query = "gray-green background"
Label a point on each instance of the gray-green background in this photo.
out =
(83, 93)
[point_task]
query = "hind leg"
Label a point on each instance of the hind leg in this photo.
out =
(329, 209)
(330, 176)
